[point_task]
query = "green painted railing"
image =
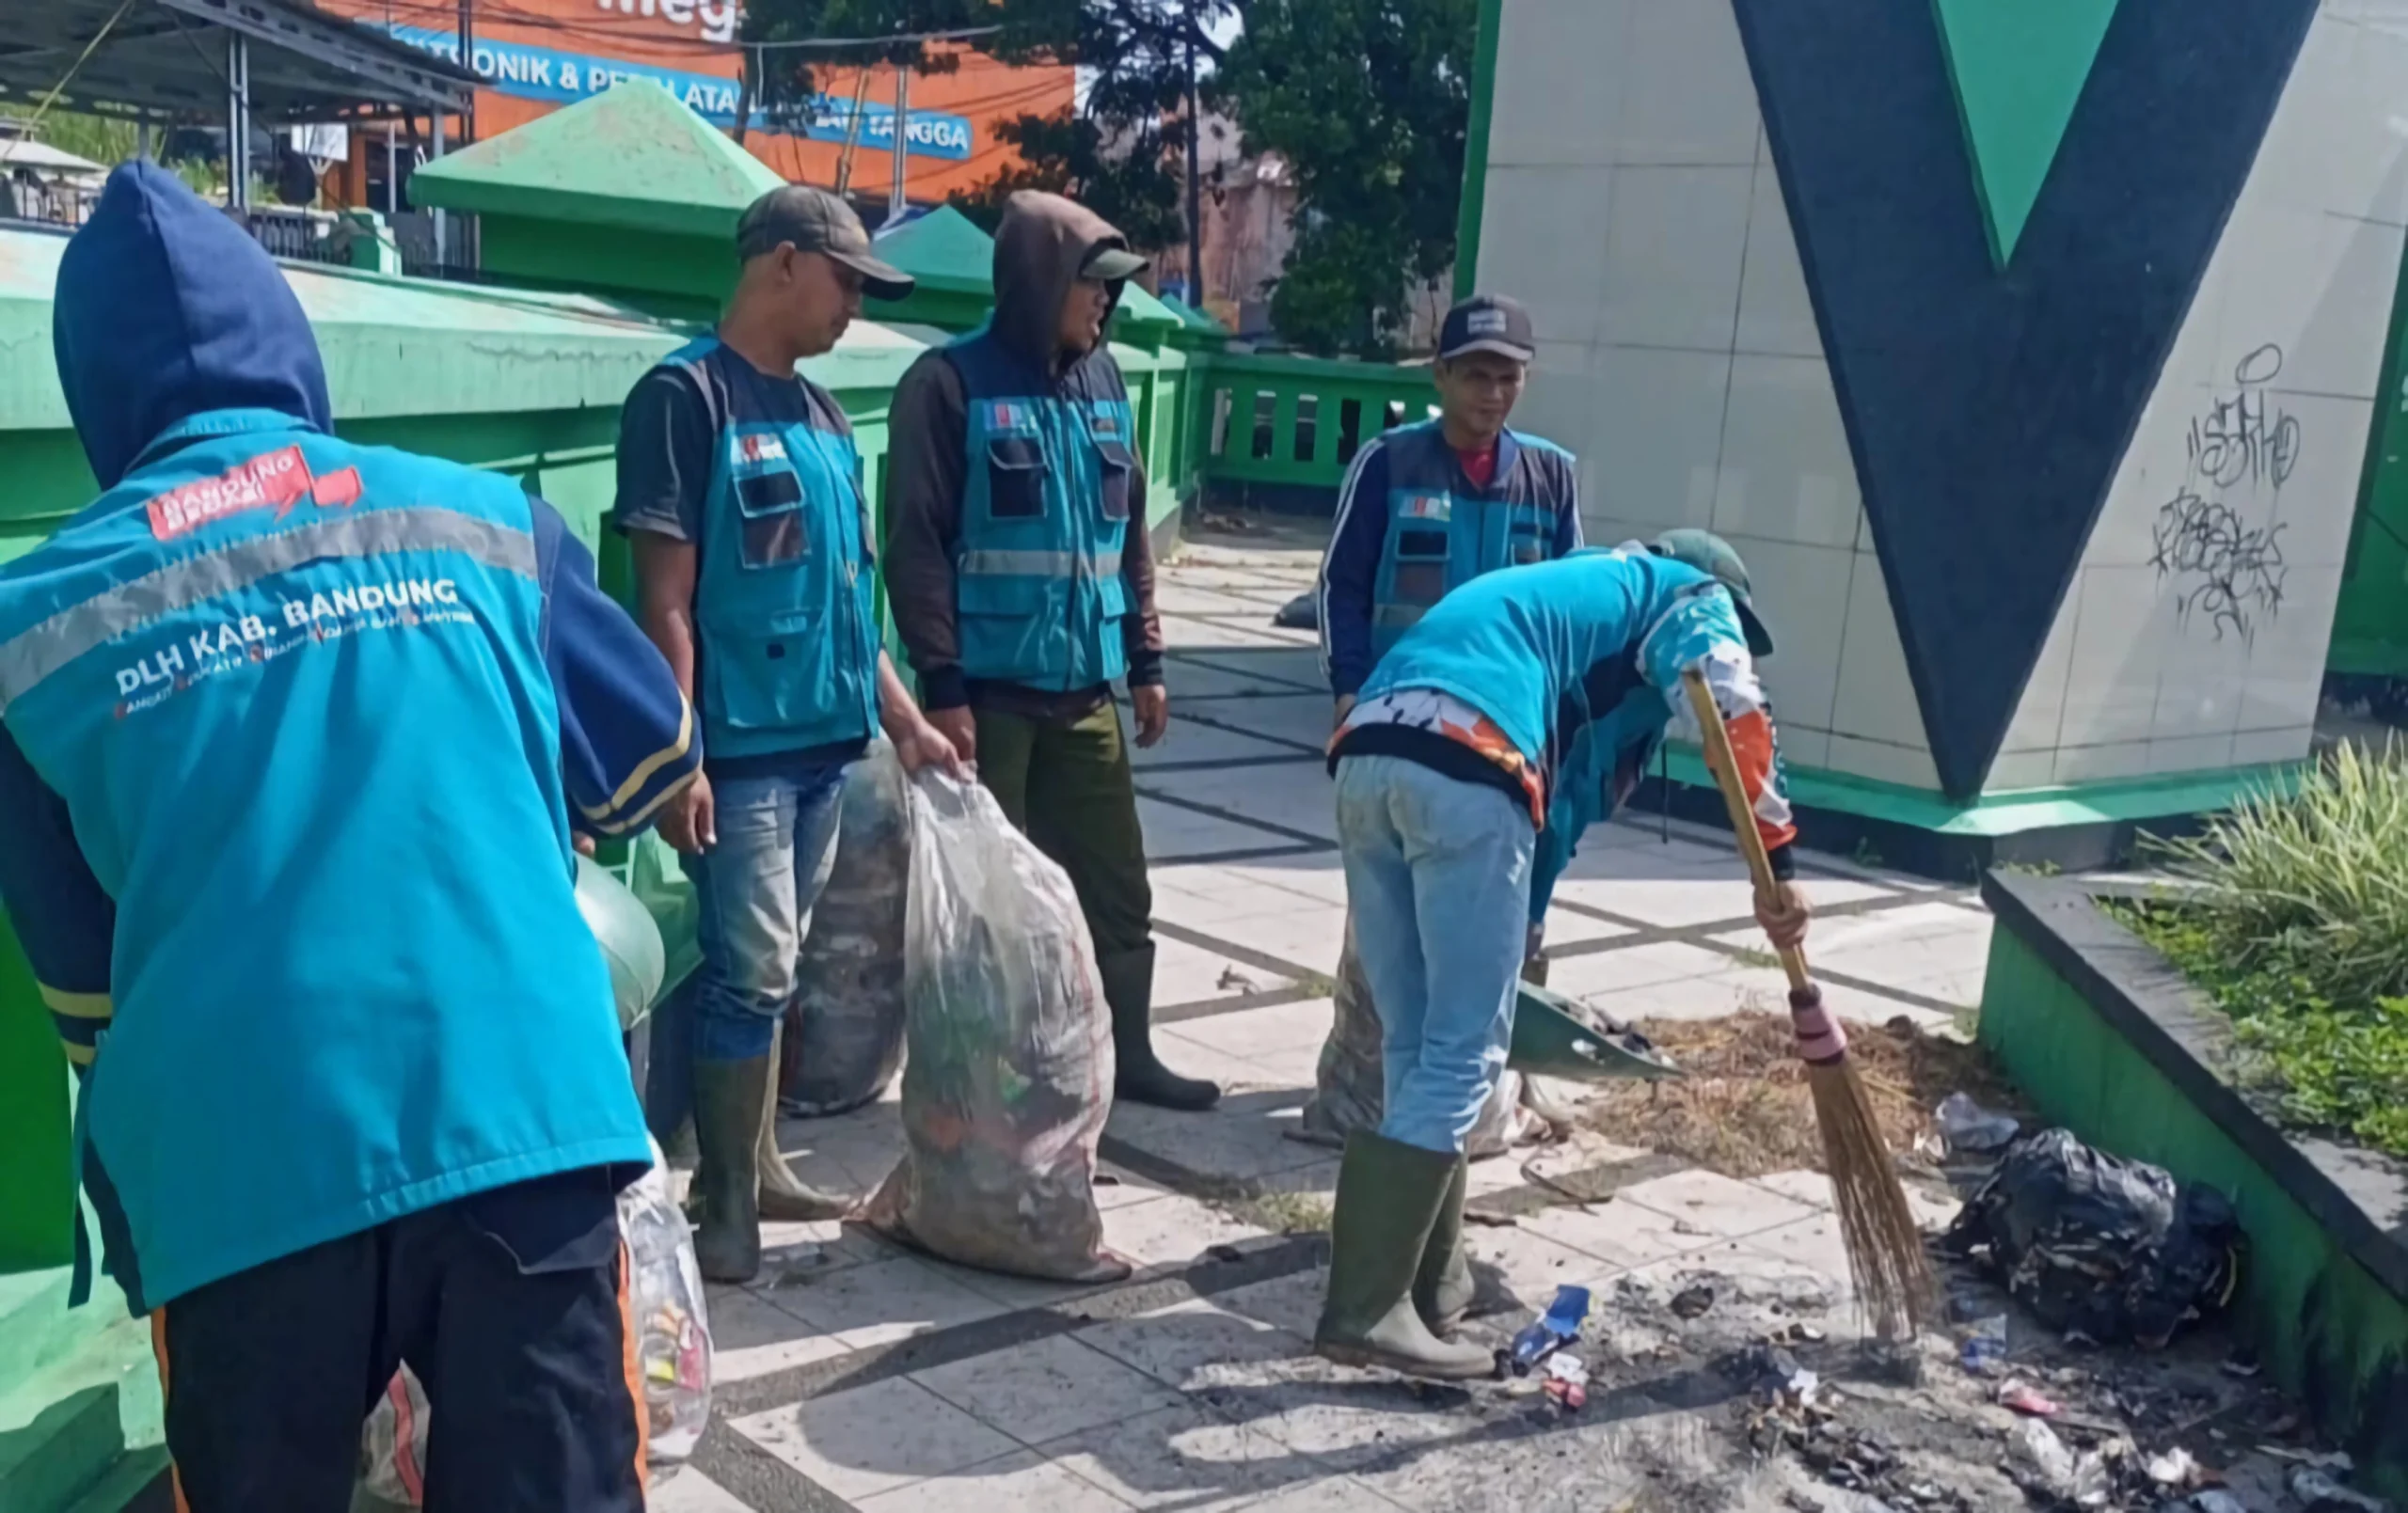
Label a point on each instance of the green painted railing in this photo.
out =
(1283, 424)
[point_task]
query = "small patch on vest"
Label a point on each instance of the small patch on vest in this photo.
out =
(760, 447)
(273, 480)
(1104, 424)
(1009, 415)
(1426, 507)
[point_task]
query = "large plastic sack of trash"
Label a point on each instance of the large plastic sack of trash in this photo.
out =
(2103, 1248)
(1008, 1075)
(630, 941)
(673, 1351)
(1350, 1089)
(844, 1033)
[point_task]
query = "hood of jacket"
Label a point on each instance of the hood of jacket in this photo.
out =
(1042, 243)
(166, 308)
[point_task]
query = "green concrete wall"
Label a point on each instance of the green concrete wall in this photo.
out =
(2327, 1330)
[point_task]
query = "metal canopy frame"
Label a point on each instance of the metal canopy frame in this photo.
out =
(168, 60)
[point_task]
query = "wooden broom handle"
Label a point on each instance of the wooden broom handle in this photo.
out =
(1724, 766)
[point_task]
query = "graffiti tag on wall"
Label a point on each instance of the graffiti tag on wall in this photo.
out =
(2228, 573)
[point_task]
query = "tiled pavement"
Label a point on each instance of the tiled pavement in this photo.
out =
(854, 1374)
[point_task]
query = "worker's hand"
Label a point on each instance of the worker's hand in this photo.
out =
(960, 727)
(1345, 707)
(1783, 915)
(583, 841)
(689, 821)
(1152, 707)
(926, 746)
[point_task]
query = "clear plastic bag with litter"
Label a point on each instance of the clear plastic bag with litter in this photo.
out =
(672, 1351)
(1007, 1072)
(844, 1036)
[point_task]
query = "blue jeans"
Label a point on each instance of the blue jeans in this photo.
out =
(756, 889)
(1438, 877)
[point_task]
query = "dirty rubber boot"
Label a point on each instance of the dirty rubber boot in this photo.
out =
(785, 1198)
(1388, 1199)
(728, 1096)
(1442, 1289)
(1129, 988)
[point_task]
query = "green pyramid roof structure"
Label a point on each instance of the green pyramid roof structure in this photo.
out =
(2020, 67)
(943, 249)
(634, 156)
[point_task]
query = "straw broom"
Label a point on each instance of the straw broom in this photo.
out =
(1885, 1251)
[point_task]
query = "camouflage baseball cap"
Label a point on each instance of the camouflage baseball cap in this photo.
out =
(1713, 556)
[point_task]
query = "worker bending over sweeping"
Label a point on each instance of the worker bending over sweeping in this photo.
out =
(1446, 767)
(740, 487)
(295, 731)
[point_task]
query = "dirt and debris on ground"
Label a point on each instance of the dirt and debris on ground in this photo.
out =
(1743, 1108)
(1709, 1390)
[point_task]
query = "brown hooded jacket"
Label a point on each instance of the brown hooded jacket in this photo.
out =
(1042, 243)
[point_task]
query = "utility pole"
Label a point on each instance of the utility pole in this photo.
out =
(902, 137)
(238, 121)
(468, 62)
(1195, 181)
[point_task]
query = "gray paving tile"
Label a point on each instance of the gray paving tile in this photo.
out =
(1025, 1482)
(1716, 1204)
(1183, 1458)
(752, 1336)
(873, 1439)
(881, 1301)
(1201, 1343)
(1173, 832)
(1047, 1389)
(1172, 1230)
(687, 1490)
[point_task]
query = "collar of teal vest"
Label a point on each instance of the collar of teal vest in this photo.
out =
(1509, 446)
(209, 424)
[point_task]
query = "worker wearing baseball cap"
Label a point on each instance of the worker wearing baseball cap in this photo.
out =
(1424, 509)
(1523, 702)
(740, 488)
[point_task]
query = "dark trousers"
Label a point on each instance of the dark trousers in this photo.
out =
(511, 1308)
(1069, 788)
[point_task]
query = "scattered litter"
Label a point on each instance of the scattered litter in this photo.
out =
(1224, 1252)
(2176, 1468)
(1567, 1380)
(1967, 1129)
(1552, 1330)
(1984, 1350)
(2319, 1493)
(2240, 1364)
(1773, 1372)
(1682, 1226)
(2050, 1463)
(1693, 1302)
(2103, 1248)
(2336, 1461)
(1234, 981)
(2211, 1500)
(2021, 1397)
(1807, 1334)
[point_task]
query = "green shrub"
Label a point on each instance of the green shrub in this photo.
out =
(2297, 926)
(2316, 879)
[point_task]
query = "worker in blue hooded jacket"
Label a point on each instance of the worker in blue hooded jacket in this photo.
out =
(1451, 767)
(297, 734)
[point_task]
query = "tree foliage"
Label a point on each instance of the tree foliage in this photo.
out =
(1368, 102)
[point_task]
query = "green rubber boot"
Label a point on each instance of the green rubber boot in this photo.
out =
(1139, 1077)
(1388, 1198)
(1442, 1289)
(728, 1101)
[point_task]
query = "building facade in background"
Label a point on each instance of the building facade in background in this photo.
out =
(2029, 358)
(539, 54)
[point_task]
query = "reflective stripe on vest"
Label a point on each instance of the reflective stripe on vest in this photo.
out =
(1003, 562)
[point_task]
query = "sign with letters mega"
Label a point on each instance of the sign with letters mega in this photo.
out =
(544, 74)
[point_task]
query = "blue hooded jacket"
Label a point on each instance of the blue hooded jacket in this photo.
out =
(291, 730)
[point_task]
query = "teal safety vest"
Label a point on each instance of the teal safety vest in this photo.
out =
(784, 600)
(1045, 515)
(1441, 533)
(294, 694)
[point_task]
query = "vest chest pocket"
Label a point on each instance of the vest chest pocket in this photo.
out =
(771, 505)
(1015, 478)
(1421, 555)
(1120, 467)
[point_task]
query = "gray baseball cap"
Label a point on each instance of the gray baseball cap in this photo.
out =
(1488, 323)
(815, 220)
(1111, 264)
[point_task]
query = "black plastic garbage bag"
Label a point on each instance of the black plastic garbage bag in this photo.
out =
(1302, 612)
(2109, 1249)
